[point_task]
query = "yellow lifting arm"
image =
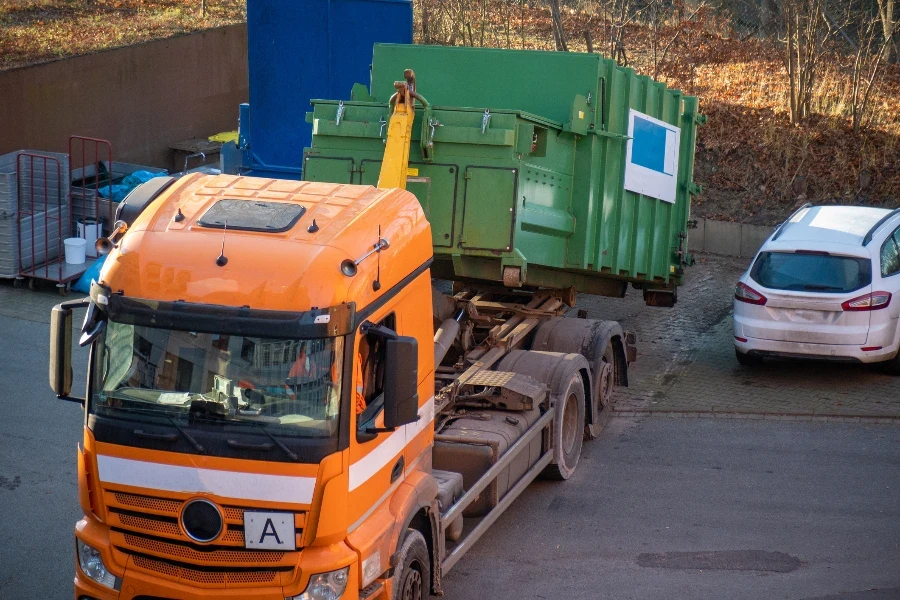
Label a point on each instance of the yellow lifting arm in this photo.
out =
(396, 150)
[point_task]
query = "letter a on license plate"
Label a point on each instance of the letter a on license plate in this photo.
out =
(269, 530)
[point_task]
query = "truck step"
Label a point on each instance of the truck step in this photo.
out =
(372, 591)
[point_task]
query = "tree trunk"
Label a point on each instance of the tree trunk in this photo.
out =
(789, 58)
(559, 35)
(888, 26)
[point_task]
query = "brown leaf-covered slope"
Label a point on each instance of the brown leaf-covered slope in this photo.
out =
(34, 31)
(753, 164)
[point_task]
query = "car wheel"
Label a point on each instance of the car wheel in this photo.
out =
(747, 360)
(892, 366)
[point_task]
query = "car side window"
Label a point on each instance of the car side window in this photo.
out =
(890, 255)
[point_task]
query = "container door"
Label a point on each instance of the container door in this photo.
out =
(327, 169)
(489, 208)
(434, 185)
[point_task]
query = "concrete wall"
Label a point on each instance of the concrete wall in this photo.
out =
(730, 239)
(141, 98)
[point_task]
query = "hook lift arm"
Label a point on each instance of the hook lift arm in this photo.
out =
(396, 150)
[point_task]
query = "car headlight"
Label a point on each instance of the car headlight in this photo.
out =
(91, 562)
(325, 586)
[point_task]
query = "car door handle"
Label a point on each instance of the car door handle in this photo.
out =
(397, 471)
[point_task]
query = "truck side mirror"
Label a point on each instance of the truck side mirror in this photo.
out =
(401, 379)
(61, 349)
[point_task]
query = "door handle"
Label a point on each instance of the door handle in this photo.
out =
(397, 471)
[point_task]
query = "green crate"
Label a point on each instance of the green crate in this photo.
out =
(524, 165)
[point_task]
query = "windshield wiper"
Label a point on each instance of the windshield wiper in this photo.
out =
(188, 437)
(141, 433)
(204, 413)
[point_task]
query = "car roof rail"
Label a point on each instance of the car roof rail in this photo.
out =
(788, 220)
(875, 227)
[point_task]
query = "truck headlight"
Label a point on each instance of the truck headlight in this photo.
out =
(91, 562)
(325, 586)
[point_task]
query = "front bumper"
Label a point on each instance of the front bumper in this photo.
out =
(137, 582)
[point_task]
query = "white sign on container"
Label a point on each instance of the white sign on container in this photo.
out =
(651, 157)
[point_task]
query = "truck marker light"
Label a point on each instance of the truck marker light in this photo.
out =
(371, 568)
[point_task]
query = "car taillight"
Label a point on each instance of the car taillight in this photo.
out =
(873, 301)
(745, 293)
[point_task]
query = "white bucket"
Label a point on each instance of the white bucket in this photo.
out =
(89, 229)
(75, 250)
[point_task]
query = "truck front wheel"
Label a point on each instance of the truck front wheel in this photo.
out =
(412, 580)
(568, 429)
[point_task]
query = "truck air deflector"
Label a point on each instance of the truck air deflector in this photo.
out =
(252, 215)
(209, 318)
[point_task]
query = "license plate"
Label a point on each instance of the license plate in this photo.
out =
(269, 530)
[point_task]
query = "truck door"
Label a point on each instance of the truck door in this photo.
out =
(489, 208)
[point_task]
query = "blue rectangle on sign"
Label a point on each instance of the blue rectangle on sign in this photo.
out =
(648, 147)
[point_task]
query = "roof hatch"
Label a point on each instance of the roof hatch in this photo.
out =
(252, 215)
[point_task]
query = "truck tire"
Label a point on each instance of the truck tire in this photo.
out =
(596, 341)
(568, 431)
(566, 376)
(412, 578)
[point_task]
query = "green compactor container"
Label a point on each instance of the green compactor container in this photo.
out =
(520, 160)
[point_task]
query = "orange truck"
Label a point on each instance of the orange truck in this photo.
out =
(282, 404)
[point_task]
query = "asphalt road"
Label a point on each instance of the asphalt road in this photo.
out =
(659, 508)
(38, 481)
(704, 508)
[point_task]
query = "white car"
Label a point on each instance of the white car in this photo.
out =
(825, 285)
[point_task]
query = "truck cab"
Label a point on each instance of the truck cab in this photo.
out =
(258, 414)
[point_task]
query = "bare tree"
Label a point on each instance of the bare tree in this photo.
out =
(559, 34)
(660, 47)
(806, 32)
(888, 26)
(866, 68)
(619, 13)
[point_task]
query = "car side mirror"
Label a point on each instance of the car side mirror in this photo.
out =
(61, 349)
(401, 379)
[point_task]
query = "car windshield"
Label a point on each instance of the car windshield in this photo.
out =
(811, 272)
(290, 386)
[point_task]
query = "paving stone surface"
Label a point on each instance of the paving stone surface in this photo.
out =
(686, 361)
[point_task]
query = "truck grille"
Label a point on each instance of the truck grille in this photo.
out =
(147, 529)
(217, 578)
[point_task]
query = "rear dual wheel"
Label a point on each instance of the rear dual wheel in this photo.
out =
(569, 430)
(604, 375)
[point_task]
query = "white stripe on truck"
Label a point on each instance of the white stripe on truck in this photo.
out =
(366, 467)
(229, 484)
(254, 486)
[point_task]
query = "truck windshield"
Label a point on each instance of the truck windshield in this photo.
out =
(291, 387)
